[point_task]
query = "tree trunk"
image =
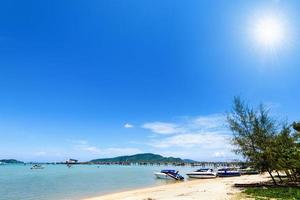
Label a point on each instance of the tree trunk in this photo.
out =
(288, 174)
(294, 174)
(279, 176)
(273, 179)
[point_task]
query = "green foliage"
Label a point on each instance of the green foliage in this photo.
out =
(278, 193)
(266, 147)
(253, 134)
(296, 126)
(286, 151)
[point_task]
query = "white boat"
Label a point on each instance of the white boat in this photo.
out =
(202, 173)
(168, 174)
(37, 167)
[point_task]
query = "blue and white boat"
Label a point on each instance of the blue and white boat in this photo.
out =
(169, 174)
(228, 172)
(202, 173)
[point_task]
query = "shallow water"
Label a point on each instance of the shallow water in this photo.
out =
(58, 182)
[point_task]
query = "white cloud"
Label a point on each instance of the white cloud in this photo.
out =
(209, 122)
(127, 125)
(110, 152)
(91, 149)
(200, 123)
(219, 154)
(162, 128)
(202, 138)
(205, 140)
(199, 138)
(104, 152)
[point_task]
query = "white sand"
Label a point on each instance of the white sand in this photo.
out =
(201, 189)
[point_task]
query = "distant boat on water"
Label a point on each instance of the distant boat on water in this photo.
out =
(228, 172)
(203, 173)
(37, 166)
(169, 174)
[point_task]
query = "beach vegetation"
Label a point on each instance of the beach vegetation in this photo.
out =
(266, 144)
(278, 193)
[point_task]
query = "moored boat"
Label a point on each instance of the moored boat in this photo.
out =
(203, 173)
(248, 171)
(37, 167)
(228, 172)
(168, 174)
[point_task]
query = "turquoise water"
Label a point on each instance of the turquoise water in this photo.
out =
(58, 182)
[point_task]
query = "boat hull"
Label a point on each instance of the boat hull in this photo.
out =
(201, 176)
(228, 174)
(163, 176)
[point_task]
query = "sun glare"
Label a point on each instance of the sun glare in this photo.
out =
(269, 32)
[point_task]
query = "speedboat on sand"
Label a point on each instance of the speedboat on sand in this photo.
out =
(202, 173)
(228, 172)
(169, 174)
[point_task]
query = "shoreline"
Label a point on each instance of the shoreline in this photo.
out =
(206, 189)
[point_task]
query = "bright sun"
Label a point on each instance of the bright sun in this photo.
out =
(269, 32)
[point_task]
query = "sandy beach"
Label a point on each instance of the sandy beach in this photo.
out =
(203, 189)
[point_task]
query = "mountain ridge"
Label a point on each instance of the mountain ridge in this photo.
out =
(143, 157)
(10, 161)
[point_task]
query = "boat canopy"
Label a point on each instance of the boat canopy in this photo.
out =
(203, 170)
(167, 171)
(227, 169)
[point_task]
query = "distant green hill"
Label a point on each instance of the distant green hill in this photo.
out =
(189, 161)
(11, 161)
(144, 157)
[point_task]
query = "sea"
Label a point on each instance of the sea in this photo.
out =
(58, 182)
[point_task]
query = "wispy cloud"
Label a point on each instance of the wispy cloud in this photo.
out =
(210, 122)
(162, 127)
(90, 149)
(84, 146)
(219, 154)
(127, 125)
(188, 124)
(205, 140)
(199, 137)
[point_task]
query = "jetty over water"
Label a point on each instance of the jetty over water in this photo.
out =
(193, 164)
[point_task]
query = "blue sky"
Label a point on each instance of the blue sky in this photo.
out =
(90, 79)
